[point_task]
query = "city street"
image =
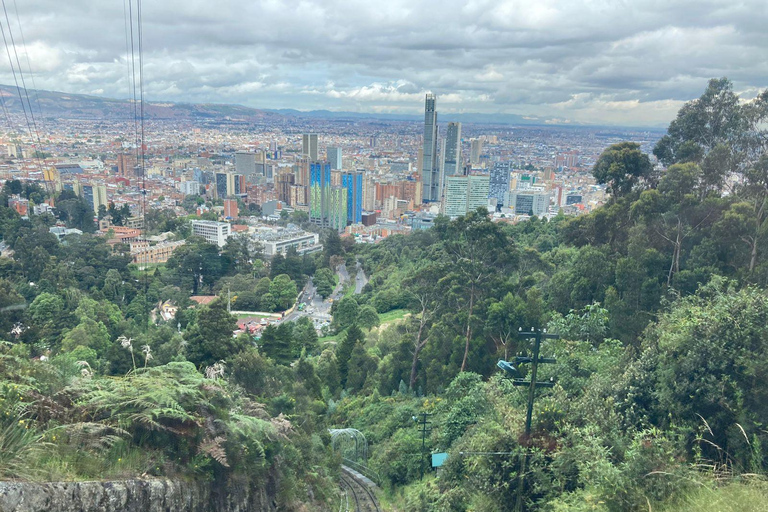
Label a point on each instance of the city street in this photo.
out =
(319, 310)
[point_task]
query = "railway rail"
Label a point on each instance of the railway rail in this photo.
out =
(358, 495)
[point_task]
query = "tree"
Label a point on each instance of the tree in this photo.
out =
(361, 365)
(90, 334)
(622, 166)
(331, 246)
(304, 337)
(276, 343)
(11, 307)
(196, 263)
(425, 304)
(345, 313)
(715, 119)
(324, 281)
(480, 254)
(344, 352)
(503, 320)
(210, 340)
(709, 353)
(367, 317)
(283, 289)
(237, 255)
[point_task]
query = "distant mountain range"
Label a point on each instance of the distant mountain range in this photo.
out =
(463, 118)
(80, 106)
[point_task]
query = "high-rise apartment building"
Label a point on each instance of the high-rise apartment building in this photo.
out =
(94, 195)
(229, 184)
(230, 208)
(245, 164)
(328, 203)
(475, 149)
(220, 185)
(499, 183)
(283, 182)
(452, 162)
(430, 170)
(334, 157)
(125, 164)
(309, 146)
(337, 208)
(369, 193)
(190, 188)
(320, 185)
(464, 194)
(353, 183)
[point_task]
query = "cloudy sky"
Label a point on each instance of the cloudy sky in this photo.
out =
(629, 62)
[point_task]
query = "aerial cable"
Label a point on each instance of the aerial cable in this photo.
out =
(18, 89)
(21, 72)
(29, 64)
(133, 84)
(38, 152)
(143, 155)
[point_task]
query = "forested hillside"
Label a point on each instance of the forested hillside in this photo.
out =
(659, 397)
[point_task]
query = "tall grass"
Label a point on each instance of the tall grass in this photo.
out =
(747, 496)
(19, 443)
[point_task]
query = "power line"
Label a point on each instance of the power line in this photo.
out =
(29, 64)
(136, 45)
(143, 155)
(32, 134)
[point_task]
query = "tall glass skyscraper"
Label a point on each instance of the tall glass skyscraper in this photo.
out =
(452, 156)
(327, 204)
(353, 183)
(430, 170)
(319, 185)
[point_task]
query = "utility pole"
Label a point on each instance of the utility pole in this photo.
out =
(424, 429)
(536, 335)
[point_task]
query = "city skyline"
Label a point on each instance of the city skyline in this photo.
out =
(574, 62)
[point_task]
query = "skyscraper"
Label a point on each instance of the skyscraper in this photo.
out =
(220, 191)
(476, 148)
(430, 172)
(245, 164)
(464, 194)
(309, 146)
(452, 162)
(95, 195)
(334, 157)
(353, 183)
(499, 184)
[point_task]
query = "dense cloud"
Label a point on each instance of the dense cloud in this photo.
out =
(613, 61)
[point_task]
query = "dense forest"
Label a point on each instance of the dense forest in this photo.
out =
(659, 400)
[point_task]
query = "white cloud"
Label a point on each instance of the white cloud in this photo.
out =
(584, 60)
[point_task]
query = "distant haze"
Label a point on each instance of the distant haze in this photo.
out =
(582, 61)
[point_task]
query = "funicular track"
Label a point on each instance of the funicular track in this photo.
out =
(360, 497)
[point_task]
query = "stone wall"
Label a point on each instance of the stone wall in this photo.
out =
(132, 496)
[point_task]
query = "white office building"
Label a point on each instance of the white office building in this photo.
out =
(464, 194)
(213, 232)
(282, 242)
(528, 203)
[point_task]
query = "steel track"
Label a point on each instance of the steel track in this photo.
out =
(364, 499)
